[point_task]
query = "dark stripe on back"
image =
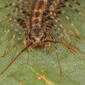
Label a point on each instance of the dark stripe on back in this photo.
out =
(40, 4)
(37, 14)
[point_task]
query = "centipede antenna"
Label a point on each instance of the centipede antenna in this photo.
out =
(14, 59)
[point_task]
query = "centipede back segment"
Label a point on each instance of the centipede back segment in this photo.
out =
(42, 40)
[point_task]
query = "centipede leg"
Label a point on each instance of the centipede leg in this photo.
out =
(78, 36)
(14, 59)
(8, 5)
(73, 35)
(72, 47)
(70, 33)
(6, 20)
(58, 60)
(9, 48)
(15, 4)
(23, 24)
(4, 36)
(17, 44)
(18, 8)
(74, 9)
(63, 29)
(73, 26)
(67, 34)
(76, 2)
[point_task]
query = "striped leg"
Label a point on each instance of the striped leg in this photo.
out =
(74, 9)
(73, 27)
(70, 33)
(23, 24)
(8, 5)
(63, 29)
(6, 19)
(69, 45)
(76, 2)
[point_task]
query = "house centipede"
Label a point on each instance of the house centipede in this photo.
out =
(39, 21)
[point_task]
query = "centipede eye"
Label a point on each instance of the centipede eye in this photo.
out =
(44, 35)
(30, 36)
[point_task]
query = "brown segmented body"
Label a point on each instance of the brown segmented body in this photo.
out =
(37, 32)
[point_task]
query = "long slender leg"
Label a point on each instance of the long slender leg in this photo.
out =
(74, 9)
(64, 30)
(73, 26)
(62, 4)
(58, 59)
(71, 47)
(9, 48)
(14, 59)
(62, 27)
(7, 52)
(21, 22)
(69, 32)
(6, 6)
(19, 9)
(76, 2)
(5, 36)
(17, 45)
(15, 4)
(67, 4)
(67, 17)
(6, 20)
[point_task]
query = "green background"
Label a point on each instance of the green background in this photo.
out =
(26, 71)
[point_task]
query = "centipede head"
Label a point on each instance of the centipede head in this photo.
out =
(37, 39)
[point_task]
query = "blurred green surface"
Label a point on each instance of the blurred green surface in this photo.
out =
(26, 71)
